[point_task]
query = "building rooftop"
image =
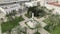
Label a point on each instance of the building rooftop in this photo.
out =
(9, 1)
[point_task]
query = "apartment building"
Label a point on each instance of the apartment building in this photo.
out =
(11, 1)
(10, 5)
(54, 4)
(32, 3)
(51, 4)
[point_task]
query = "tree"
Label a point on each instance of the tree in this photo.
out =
(52, 22)
(13, 12)
(9, 15)
(38, 11)
(2, 19)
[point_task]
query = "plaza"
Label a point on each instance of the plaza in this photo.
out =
(14, 21)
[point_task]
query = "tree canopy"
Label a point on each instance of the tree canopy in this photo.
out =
(38, 11)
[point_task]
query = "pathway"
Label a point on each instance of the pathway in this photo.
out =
(40, 20)
(43, 31)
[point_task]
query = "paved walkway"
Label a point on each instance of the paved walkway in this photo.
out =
(23, 22)
(40, 21)
(42, 31)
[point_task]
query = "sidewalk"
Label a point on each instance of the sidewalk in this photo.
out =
(43, 31)
(40, 20)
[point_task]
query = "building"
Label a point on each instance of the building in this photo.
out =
(32, 3)
(10, 5)
(11, 1)
(7, 6)
(51, 4)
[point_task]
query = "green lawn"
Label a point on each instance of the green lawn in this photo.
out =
(36, 33)
(53, 22)
(56, 31)
(10, 24)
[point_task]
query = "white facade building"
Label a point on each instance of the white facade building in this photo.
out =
(10, 5)
(51, 6)
(11, 1)
(9, 8)
(32, 3)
